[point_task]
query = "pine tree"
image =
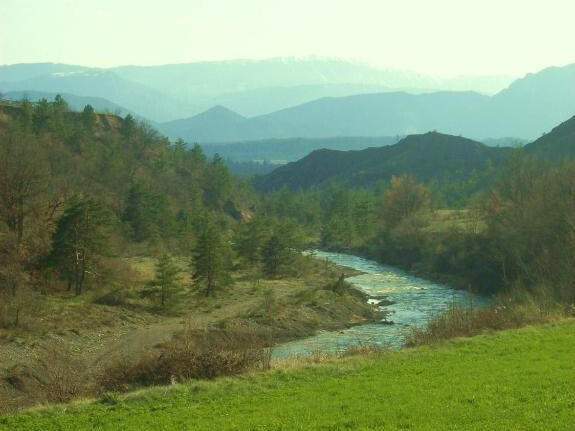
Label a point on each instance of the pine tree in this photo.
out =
(282, 247)
(273, 256)
(80, 237)
(88, 117)
(128, 127)
(212, 259)
(251, 240)
(166, 283)
(218, 184)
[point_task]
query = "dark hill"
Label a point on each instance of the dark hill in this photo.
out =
(427, 156)
(558, 144)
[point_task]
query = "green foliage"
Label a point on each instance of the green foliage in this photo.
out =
(166, 283)
(218, 184)
(530, 217)
(338, 232)
(158, 190)
(148, 214)
(251, 238)
(212, 261)
(129, 126)
(404, 198)
(81, 236)
(282, 248)
(89, 118)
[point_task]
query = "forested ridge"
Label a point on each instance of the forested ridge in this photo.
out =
(79, 188)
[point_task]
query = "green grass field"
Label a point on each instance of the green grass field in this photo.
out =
(513, 380)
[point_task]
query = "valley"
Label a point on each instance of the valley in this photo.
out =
(287, 215)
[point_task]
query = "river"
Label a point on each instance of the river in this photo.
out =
(414, 299)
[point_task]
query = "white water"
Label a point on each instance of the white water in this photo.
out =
(415, 301)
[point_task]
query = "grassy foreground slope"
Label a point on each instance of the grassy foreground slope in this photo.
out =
(513, 380)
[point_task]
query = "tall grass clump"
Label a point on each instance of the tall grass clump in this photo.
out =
(512, 310)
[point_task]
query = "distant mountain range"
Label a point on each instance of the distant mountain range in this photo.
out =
(381, 114)
(526, 109)
(427, 156)
(250, 87)
(232, 101)
(132, 96)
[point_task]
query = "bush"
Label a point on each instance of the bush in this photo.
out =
(198, 354)
(341, 287)
(61, 374)
(510, 311)
(112, 297)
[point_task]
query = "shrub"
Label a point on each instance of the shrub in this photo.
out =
(197, 354)
(510, 311)
(61, 374)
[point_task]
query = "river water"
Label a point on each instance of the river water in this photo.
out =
(415, 300)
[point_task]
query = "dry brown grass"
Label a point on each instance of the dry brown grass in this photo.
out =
(467, 321)
(196, 354)
(363, 349)
(57, 375)
(62, 375)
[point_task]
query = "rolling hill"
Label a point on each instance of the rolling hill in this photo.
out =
(427, 156)
(558, 144)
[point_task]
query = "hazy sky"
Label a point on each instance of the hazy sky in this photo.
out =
(445, 37)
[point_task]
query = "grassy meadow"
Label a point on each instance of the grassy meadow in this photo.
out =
(511, 380)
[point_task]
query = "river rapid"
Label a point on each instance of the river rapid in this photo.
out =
(414, 302)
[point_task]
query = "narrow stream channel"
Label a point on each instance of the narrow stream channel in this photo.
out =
(415, 300)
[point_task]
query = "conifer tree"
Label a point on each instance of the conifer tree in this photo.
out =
(212, 259)
(80, 237)
(273, 255)
(166, 283)
(252, 239)
(128, 127)
(218, 184)
(88, 117)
